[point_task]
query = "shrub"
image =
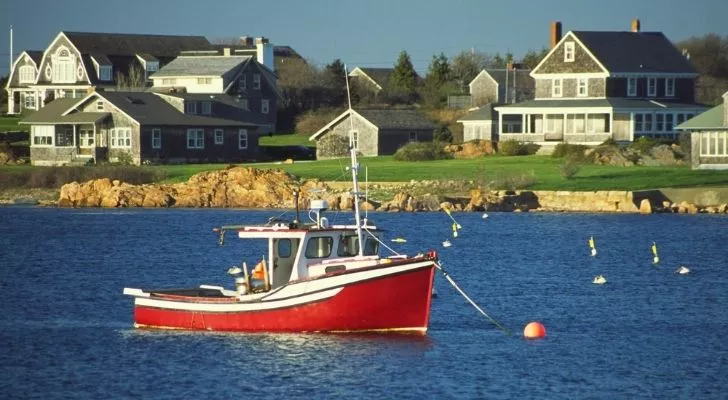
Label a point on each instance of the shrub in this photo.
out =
(422, 151)
(332, 145)
(643, 145)
(517, 148)
(443, 134)
(570, 167)
(567, 150)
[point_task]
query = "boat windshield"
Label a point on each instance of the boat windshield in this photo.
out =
(349, 245)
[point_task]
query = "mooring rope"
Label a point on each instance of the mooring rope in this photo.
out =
(439, 266)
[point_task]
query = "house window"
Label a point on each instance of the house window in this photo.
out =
(219, 136)
(169, 81)
(195, 139)
(659, 122)
(191, 107)
(42, 135)
(651, 87)
(556, 87)
(413, 136)
(256, 81)
(152, 66)
(264, 108)
(29, 101)
(244, 104)
(156, 138)
(669, 87)
(204, 81)
(714, 144)
(105, 72)
(582, 89)
(638, 127)
(27, 74)
(86, 138)
(243, 139)
(568, 51)
(120, 138)
(64, 66)
(648, 122)
(64, 137)
(206, 107)
(631, 87)
(242, 83)
(669, 127)
(354, 140)
(100, 105)
(680, 118)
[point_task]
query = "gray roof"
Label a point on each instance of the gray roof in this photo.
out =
(230, 107)
(150, 109)
(51, 112)
(628, 52)
(201, 66)
(35, 55)
(101, 59)
(396, 119)
(379, 75)
(709, 120)
(611, 102)
(480, 114)
(130, 44)
(523, 77)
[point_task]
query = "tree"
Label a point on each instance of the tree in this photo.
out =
(709, 56)
(3, 93)
(531, 59)
(134, 80)
(404, 77)
(439, 70)
(465, 66)
(334, 78)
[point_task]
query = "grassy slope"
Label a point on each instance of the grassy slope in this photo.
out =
(10, 123)
(291, 139)
(544, 171)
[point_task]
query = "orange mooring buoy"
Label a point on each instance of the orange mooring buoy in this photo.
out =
(534, 330)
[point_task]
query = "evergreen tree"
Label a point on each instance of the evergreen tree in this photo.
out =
(404, 77)
(334, 77)
(439, 70)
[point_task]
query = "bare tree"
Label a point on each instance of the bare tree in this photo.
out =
(133, 81)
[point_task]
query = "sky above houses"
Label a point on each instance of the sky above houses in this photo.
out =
(368, 33)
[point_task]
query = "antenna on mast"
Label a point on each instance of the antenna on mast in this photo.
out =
(354, 166)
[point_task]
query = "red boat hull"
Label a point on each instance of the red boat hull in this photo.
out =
(398, 302)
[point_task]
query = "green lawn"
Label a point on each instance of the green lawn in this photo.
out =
(542, 171)
(290, 139)
(10, 123)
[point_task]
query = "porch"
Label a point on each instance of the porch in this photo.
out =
(588, 127)
(78, 140)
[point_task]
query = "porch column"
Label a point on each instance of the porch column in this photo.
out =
(611, 123)
(500, 123)
(524, 129)
(74, 135)
(11, 102)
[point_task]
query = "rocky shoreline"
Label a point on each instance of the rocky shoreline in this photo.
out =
(240, 187)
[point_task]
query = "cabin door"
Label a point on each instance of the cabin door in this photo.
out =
(284, 255)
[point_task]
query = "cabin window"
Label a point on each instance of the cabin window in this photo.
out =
(29, 101)
(121, 138)
(413, 136)
(569, 52)
(195, 138)
(354, 140)
(242, 139)
(105, 72)
(152, 66)
(42, 135)
(319, 247)
(191, 107)
(64, 137)
(714, 144)
(206, 107)
(284, 248)
(371, 247)
(204, 81)
(242, 83)
(348, 246)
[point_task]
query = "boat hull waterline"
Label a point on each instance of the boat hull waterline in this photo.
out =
(385, 298)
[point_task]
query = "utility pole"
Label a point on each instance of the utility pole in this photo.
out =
(11, 51)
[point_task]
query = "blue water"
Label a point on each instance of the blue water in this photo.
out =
(66, 329)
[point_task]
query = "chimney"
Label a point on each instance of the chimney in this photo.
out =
(635, 25)
(226, 51)
(555, 33)
(264, 52)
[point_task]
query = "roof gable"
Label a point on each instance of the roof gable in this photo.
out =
(382, 119)
(711, 119)
(553, 62)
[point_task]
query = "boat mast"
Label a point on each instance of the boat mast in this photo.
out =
(354, 166)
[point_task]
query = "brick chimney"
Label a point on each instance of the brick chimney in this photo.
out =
(555, 33)
(635, 25)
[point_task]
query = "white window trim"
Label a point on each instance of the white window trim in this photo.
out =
(191, 107)
(671, 85)
(169, 81)
(715, 137)
(585, 86)
(651, 87)
(86, 138)
(631, 87)
(242, 136)
(198, 136)
(207, 107)
(156, 138)
(26, 74)
(120, 138)
(256, 81)
(219, 136)
(554, 87)
(64, 69)
(264, 106)
(569, 51)
(43, 131)
(29, 101)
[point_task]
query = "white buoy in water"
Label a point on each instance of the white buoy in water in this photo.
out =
(599, 280)
(446, 243)
(683, 270)
(655, 258)
(592, 246)
(485, 215)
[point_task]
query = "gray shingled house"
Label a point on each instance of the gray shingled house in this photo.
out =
(709, 137)
(141, 127)
(378, 132)
(479, 124)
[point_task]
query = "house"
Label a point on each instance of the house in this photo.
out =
(593, 86)
(140, 127)
(502, 86)
(709, 137)
(74, 62)
(378, 132)
(373, 80)
(479, 123)
(245, 77)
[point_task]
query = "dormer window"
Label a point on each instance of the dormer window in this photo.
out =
(64, 66)
(27, 74)
(669, 87)
(105, 72)
(569, 49)
(191, 107)
(256, 81)
(556, 87)
(152, 66)
(651, 87)
(206, 107)
(631, 87)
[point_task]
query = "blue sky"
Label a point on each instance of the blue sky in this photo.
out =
(367, 33)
